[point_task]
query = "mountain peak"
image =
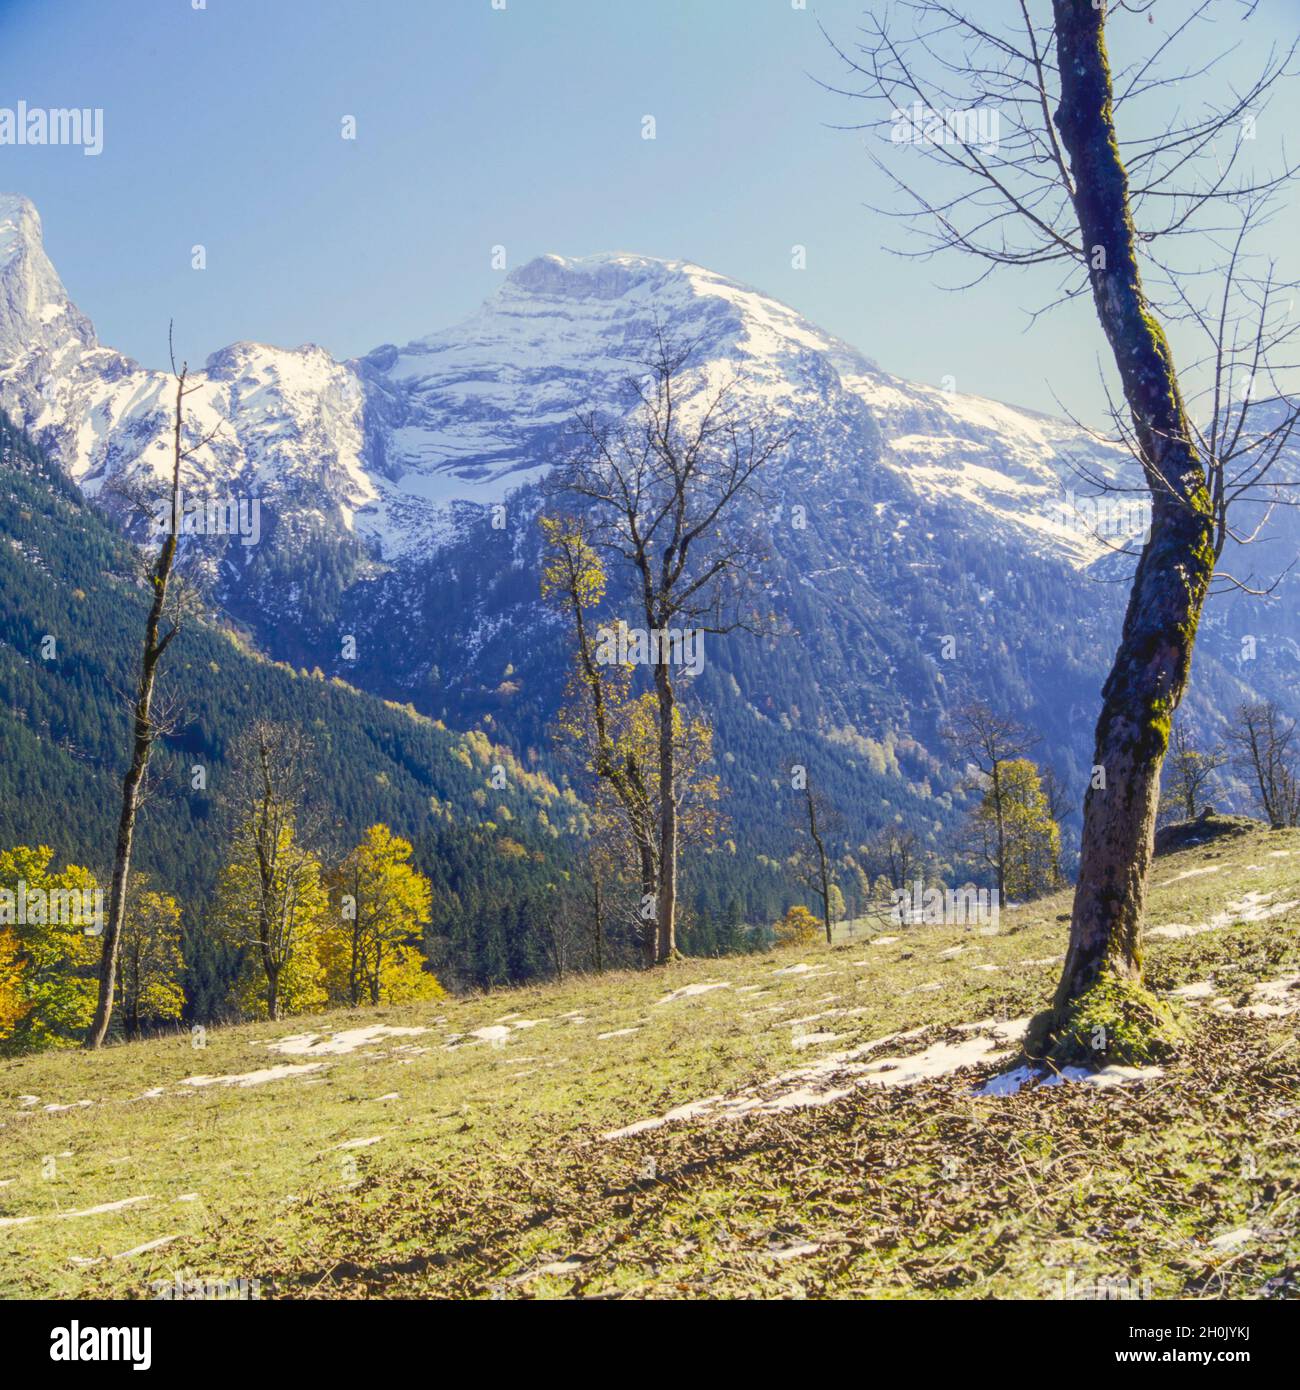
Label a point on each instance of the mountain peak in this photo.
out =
(20, 225)
(605, 275)
(35, 311)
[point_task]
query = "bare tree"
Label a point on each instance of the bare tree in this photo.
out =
(1189, 773)
(1060, 804)
(146, 727)
(816, 819)
(897, 854)
(665, 487)
(1109, 210)
(1262, 752)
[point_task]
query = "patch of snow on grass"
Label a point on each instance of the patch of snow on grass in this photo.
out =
(939, 1059)
(1229, 1240)
(338, 1044)
(494, 1033)
(146, 1247)
(1253, 907)
(690, 1111)
(1012, 1082)
(255, 1078)
(104, 1208)
(793, 1252)
(1190, 873)
(804, 1098)
(1274, 998)
(556, 1267)
(689, 991)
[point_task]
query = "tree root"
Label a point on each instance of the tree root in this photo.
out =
(1115, 1021)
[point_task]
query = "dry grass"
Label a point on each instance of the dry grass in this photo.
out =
(490, 1169)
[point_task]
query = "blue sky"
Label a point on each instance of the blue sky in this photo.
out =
(476, 127)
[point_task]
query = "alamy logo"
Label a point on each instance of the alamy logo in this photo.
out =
(77, 1343)
(1122, 518)
(22, 906)
(944, 907)
(621, 645)
(919, 124)
(211, 516)
(199, 1288)
(1106, 1288)
(37, 125)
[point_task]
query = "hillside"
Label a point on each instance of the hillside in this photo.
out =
(800, 1124)
(70, 578)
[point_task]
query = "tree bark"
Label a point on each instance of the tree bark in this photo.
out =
(142, 740)
(1154, 657)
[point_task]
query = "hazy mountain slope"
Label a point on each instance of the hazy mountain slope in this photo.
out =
(903, 516)
(71, 620)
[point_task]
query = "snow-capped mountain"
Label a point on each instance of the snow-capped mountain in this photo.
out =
(281, 421)
(938, 555)
(385, 446)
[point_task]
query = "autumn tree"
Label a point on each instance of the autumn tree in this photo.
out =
(798, 927)
(151, 962)
(989, 742)
(383, 906)
(1014, 832)
(619, 734)
(666, 480)
(596, 718)
(1107, 171)
(272, 900)
(1188, 775)
(13, 1005)
(52, 921)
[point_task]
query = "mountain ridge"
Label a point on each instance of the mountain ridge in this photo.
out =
(461, 414)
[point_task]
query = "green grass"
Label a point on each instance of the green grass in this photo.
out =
(490, 1165)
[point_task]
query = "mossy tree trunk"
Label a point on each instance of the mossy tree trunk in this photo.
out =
(1151, 666)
